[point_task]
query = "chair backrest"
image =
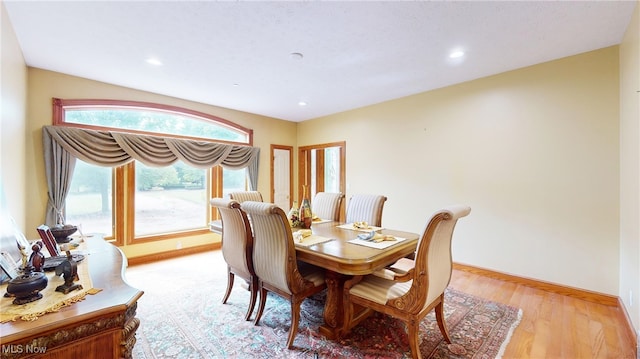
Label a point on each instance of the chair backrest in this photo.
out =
(237, 238)
(326, 205)
(274, 253)
(246, 196)
(365, 207)
(433, 261)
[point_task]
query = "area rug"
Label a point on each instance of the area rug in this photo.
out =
(185, 319)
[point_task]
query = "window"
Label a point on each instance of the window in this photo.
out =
(90, 199)
(136, 202)
(234, 181)
(169, 199)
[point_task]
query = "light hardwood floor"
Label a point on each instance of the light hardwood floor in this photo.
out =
(552, 326)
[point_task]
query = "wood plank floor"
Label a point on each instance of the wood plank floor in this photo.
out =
(552, 326)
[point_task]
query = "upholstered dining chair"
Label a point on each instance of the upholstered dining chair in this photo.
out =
(242, 196)
(237, 248)
(326, 205)
(365, 207)
(274, 260)
(410, 289)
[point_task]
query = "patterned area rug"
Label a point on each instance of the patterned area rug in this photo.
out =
(186, 319)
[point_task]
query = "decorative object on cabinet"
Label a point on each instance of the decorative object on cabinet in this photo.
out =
(9, 266)
(36, 260)
(69, 271)
(62, 232)
(49, 240)
(26, 287)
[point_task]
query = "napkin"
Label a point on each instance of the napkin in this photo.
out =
(301, 234)
(375, 237)
(361, 225)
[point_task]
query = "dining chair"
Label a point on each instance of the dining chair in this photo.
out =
(326, 205)
(367, 208)
(410, 289)
(275, 263)
(237, 248)
(242, 196)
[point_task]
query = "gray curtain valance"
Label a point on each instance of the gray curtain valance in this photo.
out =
(62, 145)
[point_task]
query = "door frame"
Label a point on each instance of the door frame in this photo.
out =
(304, 169)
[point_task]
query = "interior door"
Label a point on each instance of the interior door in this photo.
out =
(281, 176)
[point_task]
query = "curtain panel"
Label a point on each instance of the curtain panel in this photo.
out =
(62, 145)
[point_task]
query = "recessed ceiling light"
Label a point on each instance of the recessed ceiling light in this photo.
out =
(154, 61)
(456, 54)
(302, 103)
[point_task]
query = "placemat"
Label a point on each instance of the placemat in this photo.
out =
(312, 239)
(351, 227)
(378, 245)
(320, 220)
(51, 300)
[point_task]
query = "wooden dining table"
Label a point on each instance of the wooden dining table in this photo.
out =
(343, 260)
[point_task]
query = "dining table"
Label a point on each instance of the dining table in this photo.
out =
(336, 247)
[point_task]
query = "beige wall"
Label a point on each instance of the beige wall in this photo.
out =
(630, 169)
(44, 85)
(534, 152)
(13, 97)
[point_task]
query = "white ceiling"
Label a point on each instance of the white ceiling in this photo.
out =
(238, 54)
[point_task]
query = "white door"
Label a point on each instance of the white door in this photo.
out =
(281, 177)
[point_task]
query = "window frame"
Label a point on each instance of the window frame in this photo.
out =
(124, 176)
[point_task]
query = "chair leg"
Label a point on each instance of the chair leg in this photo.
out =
(263, 301)
(441, 323)
(230, 277)
(295, 318)
(413, 327)
(253, 287)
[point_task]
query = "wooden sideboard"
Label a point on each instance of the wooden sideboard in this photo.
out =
(103, 325)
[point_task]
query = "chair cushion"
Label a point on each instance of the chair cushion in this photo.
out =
(311, 273)
(379, 290)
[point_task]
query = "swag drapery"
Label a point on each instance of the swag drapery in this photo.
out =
(62, 145)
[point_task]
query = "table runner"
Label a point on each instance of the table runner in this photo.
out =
(51, 300)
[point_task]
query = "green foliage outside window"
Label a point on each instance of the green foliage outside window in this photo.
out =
(153, 121)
